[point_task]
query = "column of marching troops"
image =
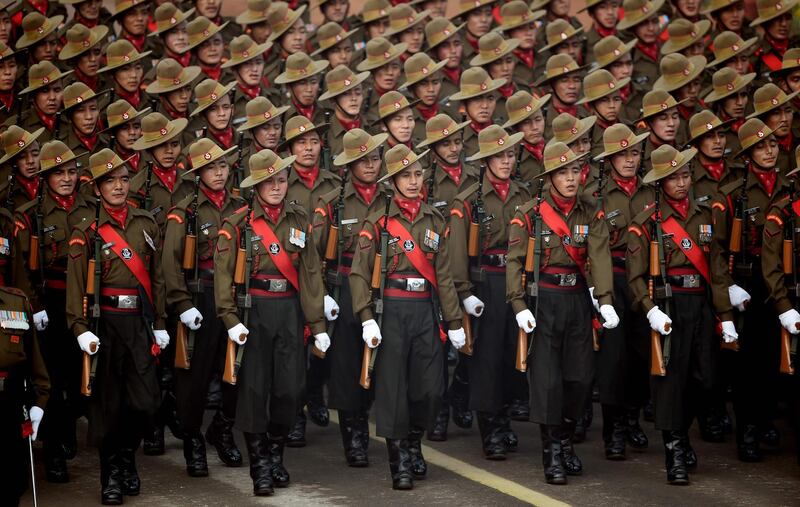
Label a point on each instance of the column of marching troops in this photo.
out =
(235, 213)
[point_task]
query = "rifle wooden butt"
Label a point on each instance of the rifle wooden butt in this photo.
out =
(318, 353)
(182, 347)
(33, 259)
(472, 240)
(466, 323)
(788, 257)
(86, 371)
(529, 256)
(90, 278)
(376, 272)
(656, 355)
(786, 353)
(238, 272)
(735, 245)
(331, 246)
(655, 266)
(366, 359)
(522, 351)
(189, 250)
(228, 374)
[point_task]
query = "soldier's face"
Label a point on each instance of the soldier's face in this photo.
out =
(134, 21)
(734, 104)
(129, 77)
(114, 187)
(306, 91)
(335, 10)
(678, 184)
(696, 49)
(525, 34)
(481, 108)
(501, 164)
(260, 32)
(606, 14)
(215, 175)
(273, 190)
(437, 7)
(622, 68)
(647, 30)
(712, 145)
(269, 134)
(573, 47)
(350, 101)
(179, 99)
(567, 88)
(294, 39)
(780, 120)
(49, 98)
(765, 153)
(367, 168)
(387, 76)
(739, 63)
(791, 83)
(479, 21)
(413, 37)
(689, 8)
(559, 8)
(5, 27)
(90, 9)
(428, 90)
(177, 39)
(46, 49)
(449, 149)
(689, 92)
(8, 74)
(626, 162)
(503, 68)
(85, 116)
(665, 125)
(63, 180)
(581, 145)
(307, 148)
(532, 128)
(566, 181)
(732, 17)
(28, 160)
(450, 51)
(211, 51)
(208, 8)
(779, 27)
(340, 54)
(400, 125)
(166, 154)
(377, 28)
(128, 133)
(219, 113)
(608, 107)
(409, 181)
(89, 62)
(250, 72)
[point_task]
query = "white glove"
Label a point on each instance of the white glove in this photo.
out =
(370, 330)
(40, 320)
(595, 302)
(238, 334)
(331, 308)
(729, 334)
(790, 320)
(36, 415)
(457, 337)
(192, 318)
(162, 338)
(525, 321)
(473, 306)
(85, 341)
(322, 341)
(659, 320)
(609, 316)
(739, 297)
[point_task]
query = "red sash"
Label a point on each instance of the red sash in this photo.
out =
(415, 255)
(680, 237)
(772, 61)
(556, 224)
(280, 258)
(796, 207)
(131, 259)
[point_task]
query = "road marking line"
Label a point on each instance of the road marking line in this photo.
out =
(476, 474)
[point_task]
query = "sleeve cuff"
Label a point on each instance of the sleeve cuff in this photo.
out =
(317, 328)
(783, 305)
(366, 314)
(605, 300)
(518, 305)
(230, 320)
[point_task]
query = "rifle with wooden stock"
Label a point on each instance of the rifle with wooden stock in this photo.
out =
(599, 212)
(184, 340)
(237, 168)
(334, 249)
(89, 366)
(659, 356)
(530, 280)
(474, 252)
(789, 342)
(36, 248)
(736, 247)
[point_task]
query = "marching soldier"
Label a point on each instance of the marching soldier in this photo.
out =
(124, 71)
(262, 130)
(562, 38)
(213, 116)
(83, 52)
(375, 20)
(124, 128)
(774, 108)
(730, 50)
(681, 78)
(476, 17)
(424, 82)
(686, 37)
(247, 65)
(727, 15)
(612, 54)
(478, 95)
(405, 27)
(729, 98)
(301, 79)
(280, 264)
(336, 45)
(383, 63)
(525, 116)
(212, 11)
(22, 158)
(710, 168)
(775, 18)
(345, 91)
(89, 13)
(254, 20)
(788, 76)
(170, 28)
(45, 92)
(171, 91)
(133, 18)
(520, 23)
(603, 99)
(564, 80)
(82, 111)
(576, 134)
(9, 74)
(446, 45)
(640, 19)
(207, 45)
(662, 118)
(604, 15)
(288, 35)
(495, 55)
(39, 37)
(396, 118)
(128, 288)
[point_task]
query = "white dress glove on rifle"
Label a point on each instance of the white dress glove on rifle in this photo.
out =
(595, 302)
(790, 320)
(473, 306)
(162, 338)
(322, 341)
(331, 308)
(36, 415)
(40, 320)
(85, 341)
(659, 320)
(457, 337)
(238, 334)
(525, 321)
(370, 330)
(739, 297)
(192, 318)
(609, 316)
(729, 334)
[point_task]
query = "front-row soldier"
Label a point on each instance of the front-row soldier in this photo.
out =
(402, 253)
(570, 264)
(674, 263)
(267, 252)
(128, 291)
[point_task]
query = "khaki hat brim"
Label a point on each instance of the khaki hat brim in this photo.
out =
(623, 25)
(344, 37)
(319, 129)
(61, 75)
(436, 68)
(429, 142)
(473, 7)
(671, 46)
(115, 14)
(747, 45)
(217, 30)
(584, 126)
(247, 125)
(224, 154)
(178, 20)
(138, 114)
(25, 41)
(75, 158)
(790, 4)
(548, 47)
(636, 140)
(93, 179)
(479, 60)
(537, 15)
(646, 116)
(192, 73)
(366, 65)
(688, 155)
(699, 68)
(418, 18)
(141, 56)
(377, 140)
(411, 104)
(779, 104)
(389, 175)
(96, 96)
(97, 33)
(628, 48)
(722, 125)
(495, 84)
(539, 4)
(297, 13)
(245, 19)
(513, 140)
(709, 10)
(174, 128)
(622, 83)
(252, 181)
(34, 136)
(360, 78)
(259, 51)
(545, 79)
(452, 34)
(746, 80)
(578, 159)
(541, 102)
(743, 149)
(317, 67)
(227, 89)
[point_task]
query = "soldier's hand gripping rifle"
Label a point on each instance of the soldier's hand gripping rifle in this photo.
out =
(334, 249)
(475, 250)
(148, 199)
(184, 341)
(599, 211)
(92, 289)
(789, 342)
(736, 248)
(36, 249)
(326, 148)
(12, 184)
(659, 357)
(533, 257)
(238, 168)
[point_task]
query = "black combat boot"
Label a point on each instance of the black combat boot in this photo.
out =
(55, 463)
(677, 472)
(747, 445)
(418, 466)
(260, 468)
(194, 452)
(519, 410)
(169, 412)
(634, 432)
(317, 409)
(439, 432)
(614, 433)
(572, 463)
(552, 459)
(400, 464)
(689, 456)
(153, 444)
(491, 436)
(351, 439)
(711, 429)
(583, 423)
(220, 435)
(510, 439)
(280, 475)
(110, 478)
(768, 435)
(297, 435)
(459, 402)
(131, 483)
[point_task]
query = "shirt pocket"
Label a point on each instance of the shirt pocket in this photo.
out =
(11, 342)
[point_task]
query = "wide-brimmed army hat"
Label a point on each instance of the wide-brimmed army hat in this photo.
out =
(557, 155)
(475, 82)
(493, 140)
(769, 97)
(771, 9)
(677, 70)
(76, 94)
(329, 35)
(727, 45)
(637, 11)
(171, 75)
(618, 138)
(439, 30)
(167, 16)
(264, 165)
(752, 132)
(15, 140)
(379, 52)
(201, 29)
(374, 10)
(790, 62)
(704, 122)
(43, 74)
(243, 49)
(204, 151)
(418, 67)
(341, 80)
(300, 66)
(557, 66)
(666, 160)
(465, 6)
(716, 5)
(523, 105)
(357, 143)
(281, 18)
(491, 47)
(120, 53)
(540, 4)
(567, 129)
(439, 128)
(589, 4)
(122, 6)
(36, 28)
(599, 84)
(260, 111)
(402, 17)
(610, 49)
(297, 126)
(157, 130)
(53, 155)
(683, 34)
(399, 158)
(209, 92)
(104, 162)
(558, 32)
(517, 13)
(81, 39)
(5, 51)
(121, 112)
(392, 102)
(255, 12)
(656, 102)
(725, 82)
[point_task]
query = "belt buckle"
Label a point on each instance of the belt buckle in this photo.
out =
(691, 281)
(277, 285)
(568, 280)
(127, 302)
(415, 284)
(501, 260)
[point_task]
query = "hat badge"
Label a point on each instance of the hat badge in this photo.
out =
(86, 43)
(109, 165)
(709, 126)
(501, 142)
(663, 106)
(386, 54)
(79, 100)
(673, 163)
(301, 128)
(58, 159)
(176, 81)
(45, 80)
(524, 15)
(125, 58)
(21, 143)
(735, 47)
(446, 31)
(616, 52)
(405, 161)
(172, 20)
(624, 143)
(564, 35)
(397, 105)
(483, 86)
(497, 50)
(362, 148)
(125, 115)
(207, 156)
(271, 169)
(774, 101)
(410, 19)
(213, 96)
(528, 108)
(729, 86)
(382, 12)
(338, 37)
(778, 6)
(760, 133)
(40, 30)
(347, 82)
(424, 70)
(477, 3)
(645, 9)
(563, 158)
(245, 54)
(163, 131)
(445, 132)
(693, 34)
(565, 69)
(267, 115)
(612, 85)
(205, 32)
(574, 130)
(687, 71)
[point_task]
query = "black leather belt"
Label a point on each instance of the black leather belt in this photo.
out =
(408, 284)
(618, 262)
(495, 260)
(121, 302)
(562, 279)
(694, 281)
(271, 285)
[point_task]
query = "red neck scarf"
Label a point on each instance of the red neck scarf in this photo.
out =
(602, 122)
(500, 186)
(681, 207)
(132, 158)
(7, 99)
(90, 81)
(134, 98)
(526, 56)
(585, 169)
(737, 122)
(685, 112)
(473, 41)
(29, 185)
(563, 204)
(507, 90)
(477, 127)
(217, 198)
(88, 23)
(603, 31)
(392, 142)
(380, 90)
(537, 150)
(307, 111)
(408, 207)
(89, 142)
(167, 176)
(655, 140)
(779, 46)
(648, 50)
(454, 75)
(786, 143)
(212, 71)
(250, 91)
(625, 92)
(307, 176)
(273, 212)
(365, 190)
(225, 137)
(626, 185)
(40, 6)
(65, 203)
(49, 120)
(565, 108)
(171, 111)
(350, 124)
(714, 169)
(138, 41)
(768, 179)
(265, 81)
(119, 215)
(182, 59)
(428, 112)
(453, 171)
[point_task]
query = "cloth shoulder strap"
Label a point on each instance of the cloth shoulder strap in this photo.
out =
(414, 254)
(688, 246)
(279, 255)
(132, 261)
(556, 224)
